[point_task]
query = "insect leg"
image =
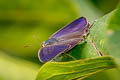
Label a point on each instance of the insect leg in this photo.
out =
(94, 45)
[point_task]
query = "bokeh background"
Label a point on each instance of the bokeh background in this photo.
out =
(24, 24)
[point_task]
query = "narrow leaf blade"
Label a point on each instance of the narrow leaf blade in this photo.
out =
(75, 69)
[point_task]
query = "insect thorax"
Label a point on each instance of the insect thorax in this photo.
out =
(49, 42)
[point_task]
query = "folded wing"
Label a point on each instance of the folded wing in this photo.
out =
(47, 53)
(77, 25)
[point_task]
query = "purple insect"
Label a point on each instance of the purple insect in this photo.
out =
(64, 39)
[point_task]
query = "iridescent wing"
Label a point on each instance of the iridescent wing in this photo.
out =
(73, 33)
(72, 39)
(48, 53)
(72, 42)
(67, 38)
(77, 25)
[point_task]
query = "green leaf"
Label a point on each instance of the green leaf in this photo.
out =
(110, 43)
(114, 34)
(75, 69)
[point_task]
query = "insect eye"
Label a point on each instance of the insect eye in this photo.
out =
(86, 30)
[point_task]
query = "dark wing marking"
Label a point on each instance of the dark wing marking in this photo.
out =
(47, 53)
(77, 25)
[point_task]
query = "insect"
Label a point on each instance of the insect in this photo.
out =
(64, 39)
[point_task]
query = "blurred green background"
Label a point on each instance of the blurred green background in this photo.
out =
(29, 22)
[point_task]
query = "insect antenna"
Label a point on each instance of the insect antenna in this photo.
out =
(35, 37)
